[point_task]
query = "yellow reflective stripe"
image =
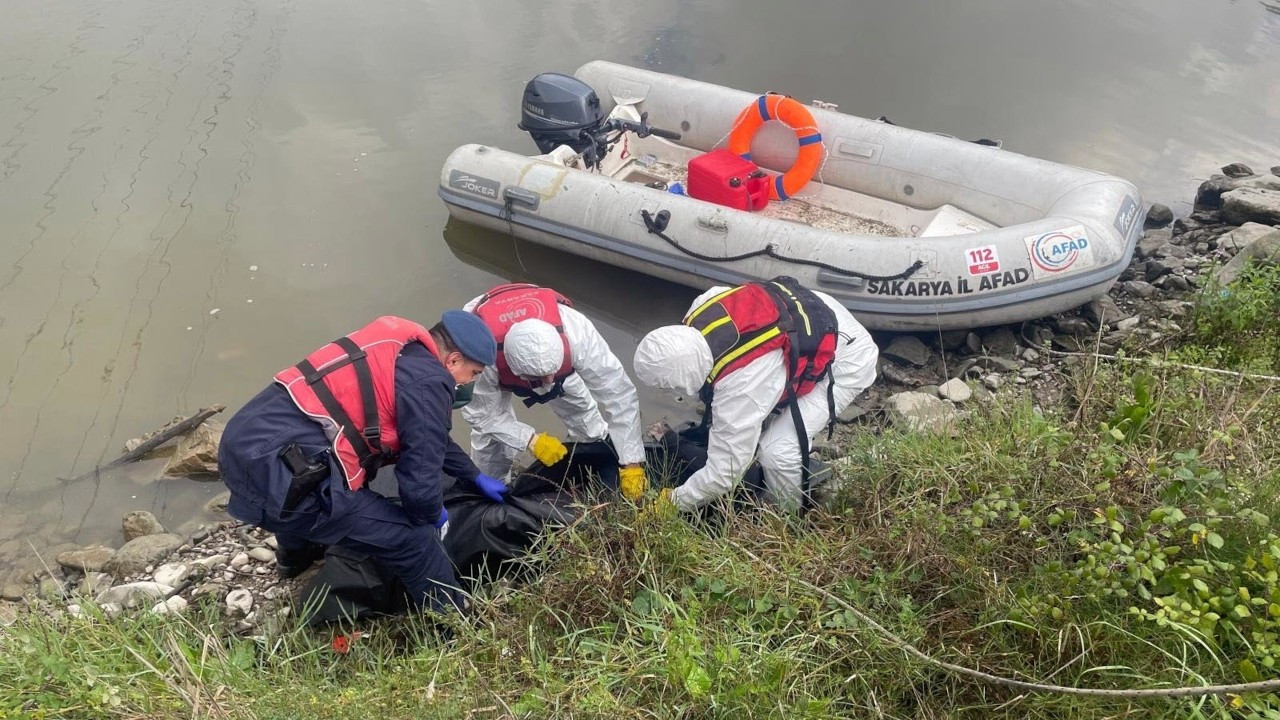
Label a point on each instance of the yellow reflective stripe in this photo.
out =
(715, 299)
(808, 330)
(739, 352)
(715, 324)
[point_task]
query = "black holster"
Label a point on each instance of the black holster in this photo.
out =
(307, 474)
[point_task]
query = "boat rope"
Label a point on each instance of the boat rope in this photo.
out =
(1188, 691)
(656, 225)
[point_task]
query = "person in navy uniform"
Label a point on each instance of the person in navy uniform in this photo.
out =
(299, 457)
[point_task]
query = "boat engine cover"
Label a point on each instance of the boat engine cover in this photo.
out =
(723, 178)
(556, 109)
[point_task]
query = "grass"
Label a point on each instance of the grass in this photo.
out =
(1122, 539)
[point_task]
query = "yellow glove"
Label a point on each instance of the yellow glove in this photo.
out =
(632, 482)
(661, 508)
(547, 450)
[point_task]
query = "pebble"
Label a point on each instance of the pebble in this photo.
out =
(955, 390)
(271, 542)
(174, 605)
(239, 601)
(263, 555)
(992, 382)
(211, 562)
(240, 560)
(260, 570)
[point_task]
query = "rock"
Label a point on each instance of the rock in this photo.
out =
(218, 505)
(8, 615)
(1200, 248)
(196, 453)
(260, 570)
(1169, 250)
(137, 554)
(896, 375)
(1030, 355)
(1000, 342)
(1029, 373)
(1174, 283)
(1241, 237)
(1251, 205)
(1103, 311)
(918, 411)
(263, 555)
(1265, 249)
(89, 559)
(972, 343)
(1159, 215)
(987, 363)
(139, 523)
(1157, 269)
(851, 413)
(12, 591)
(93, 583)
(952, 340)
(1236, 170)
(174, 605)
(955, 390)
(1073, 326)
(1151, 241)
(199, 535)
(211, 562)
(1128, 324)
(909, 349)
(239, 602)
(240, 560)
(213, 588)
(1138, 288)
(992, 382)
(172, 574)
(135, 594)
(1209, 194)
(51, 589)
(1275, 170)
(271, 542)
(74, 611)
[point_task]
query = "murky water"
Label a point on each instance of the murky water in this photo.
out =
(194, 194)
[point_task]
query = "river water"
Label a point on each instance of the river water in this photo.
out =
(195, 193)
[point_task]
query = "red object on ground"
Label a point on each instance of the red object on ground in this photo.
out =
(724, 178)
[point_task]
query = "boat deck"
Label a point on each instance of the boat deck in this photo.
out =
(803, 208)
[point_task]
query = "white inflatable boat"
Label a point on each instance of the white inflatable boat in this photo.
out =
(910, 230)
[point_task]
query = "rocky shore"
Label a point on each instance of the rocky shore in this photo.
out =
(925, 382)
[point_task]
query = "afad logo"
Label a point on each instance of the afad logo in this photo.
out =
(1060, 250)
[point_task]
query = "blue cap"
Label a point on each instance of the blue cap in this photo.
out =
(471, 336)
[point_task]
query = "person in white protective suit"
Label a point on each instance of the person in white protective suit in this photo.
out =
(548, 352)
(750, 352)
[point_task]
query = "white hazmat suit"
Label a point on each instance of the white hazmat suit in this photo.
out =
(599, 398)
(677, 358)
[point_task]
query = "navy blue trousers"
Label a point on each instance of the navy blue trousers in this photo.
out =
(362, 520)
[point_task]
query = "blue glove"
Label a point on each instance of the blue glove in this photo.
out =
(491, 487)
(442, 524)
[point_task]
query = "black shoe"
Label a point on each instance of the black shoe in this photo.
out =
(292, 563)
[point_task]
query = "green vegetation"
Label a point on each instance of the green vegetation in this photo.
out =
(1123, 540)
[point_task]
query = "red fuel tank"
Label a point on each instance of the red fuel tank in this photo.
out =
(724, 178)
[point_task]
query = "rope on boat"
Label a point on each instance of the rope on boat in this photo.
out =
(655, 226)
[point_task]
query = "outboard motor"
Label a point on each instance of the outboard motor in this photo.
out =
(561, 110)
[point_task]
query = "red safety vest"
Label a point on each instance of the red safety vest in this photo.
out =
(748, 321)
(506, 305)
(348, 386)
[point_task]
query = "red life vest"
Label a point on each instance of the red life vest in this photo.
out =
(506, 305)
(748, 321)
(348, 387)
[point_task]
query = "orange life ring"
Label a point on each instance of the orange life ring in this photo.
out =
(791, 113)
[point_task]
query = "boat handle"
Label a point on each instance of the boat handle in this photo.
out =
(520, 196)
(830, 278)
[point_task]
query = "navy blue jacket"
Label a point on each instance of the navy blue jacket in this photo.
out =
(250, 466)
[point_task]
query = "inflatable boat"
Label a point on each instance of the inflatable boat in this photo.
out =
(702, 184)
